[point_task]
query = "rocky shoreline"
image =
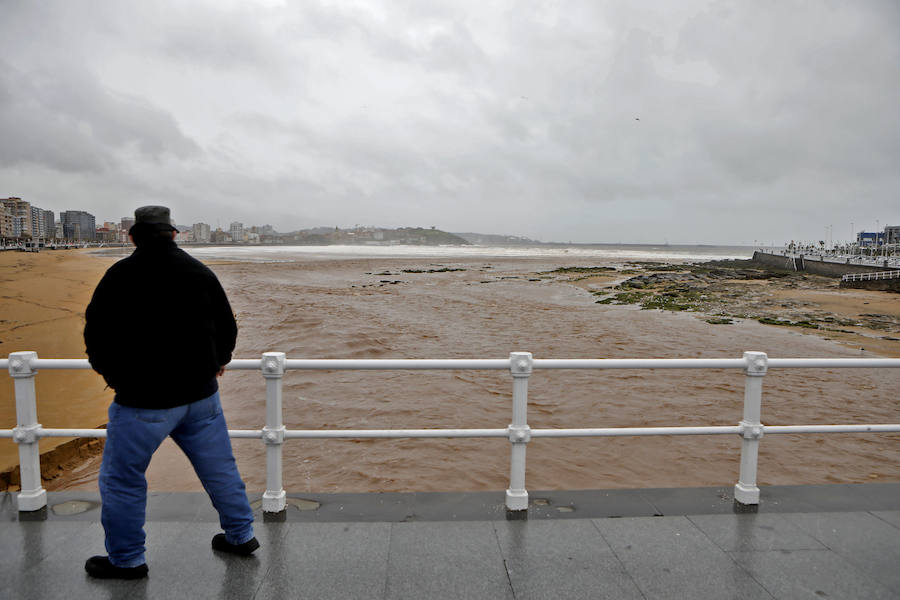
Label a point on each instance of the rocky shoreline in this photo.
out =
(725, 292)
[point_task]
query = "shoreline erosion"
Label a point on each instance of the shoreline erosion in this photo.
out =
(418, 307)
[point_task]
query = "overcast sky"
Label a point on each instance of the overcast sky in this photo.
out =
(688, 121)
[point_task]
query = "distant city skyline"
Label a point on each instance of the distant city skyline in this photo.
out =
(702, 121)
(235, 230)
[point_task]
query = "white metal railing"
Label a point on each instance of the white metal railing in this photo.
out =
(871, 276)
(816, 255)
(23, 366)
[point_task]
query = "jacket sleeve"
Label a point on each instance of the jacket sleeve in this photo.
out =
(99, 319)
(225, 327)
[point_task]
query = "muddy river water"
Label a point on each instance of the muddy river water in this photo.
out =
(479, 307)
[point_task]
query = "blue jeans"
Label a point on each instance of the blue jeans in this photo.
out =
(133, 435)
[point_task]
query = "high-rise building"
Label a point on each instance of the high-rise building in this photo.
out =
(78, 225)
(37, 222)
(201, 232)
(20, 215)
(6, 222)
(892, 234)
(49, 224)
(237, 232)
(43, 224)
(39, 226)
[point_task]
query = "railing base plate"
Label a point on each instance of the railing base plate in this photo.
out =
(516, 515)
(275, 517)
(741, 508)
(34, 515)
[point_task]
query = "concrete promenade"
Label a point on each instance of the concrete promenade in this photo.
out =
(829, 541)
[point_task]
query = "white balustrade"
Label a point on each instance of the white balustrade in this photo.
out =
(876, 276)
(23, 366)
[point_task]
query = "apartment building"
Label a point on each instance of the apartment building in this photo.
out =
(78, 225)
(19, 220)
(237, 232)
(43, 223)
(201, 233)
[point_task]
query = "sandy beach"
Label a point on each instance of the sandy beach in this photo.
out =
(42, 310)
(426, 308)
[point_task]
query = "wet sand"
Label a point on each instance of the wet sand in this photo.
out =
(381, 308)
(42, 301)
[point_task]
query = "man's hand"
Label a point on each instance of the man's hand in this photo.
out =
(221, 371)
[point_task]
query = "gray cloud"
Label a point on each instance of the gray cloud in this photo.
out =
(591, 121)
(67, 121)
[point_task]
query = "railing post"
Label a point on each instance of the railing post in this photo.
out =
(273, 500)
(32, 495)
(746, 492)
(520, 366)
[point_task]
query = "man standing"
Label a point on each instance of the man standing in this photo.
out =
(159, 330)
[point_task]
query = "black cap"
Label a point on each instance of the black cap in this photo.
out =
(157, 216)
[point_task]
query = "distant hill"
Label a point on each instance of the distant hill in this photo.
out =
(492, 239)
(427, 237)
(413, 236)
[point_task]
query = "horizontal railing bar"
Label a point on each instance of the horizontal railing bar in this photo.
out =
(639, 363)
(887, 428)
(833, 363)
(244, 363)
(501, 433)
(393, 433)
(503, 363)
(245, 433)
(73, 433)
(388, 363)
(626, 431)
(61, 363)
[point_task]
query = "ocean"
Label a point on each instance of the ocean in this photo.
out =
(600, 252)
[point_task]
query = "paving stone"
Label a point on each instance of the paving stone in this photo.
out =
(690, 501)
(26, 545)
(61, 576)
(860, 538)
(754, 532)
(183, 565)
(355, 508)
(446, 560)
(830, 497)
(475, 506)
(668, 557)
(889, 516)
(817, 574)
(566, 559)
(329, 560)
(8, 509)
(589, 504)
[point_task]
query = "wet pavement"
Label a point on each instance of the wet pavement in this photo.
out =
(823, 541)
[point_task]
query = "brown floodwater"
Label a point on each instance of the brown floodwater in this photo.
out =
(349, 308)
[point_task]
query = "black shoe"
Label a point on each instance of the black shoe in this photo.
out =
(246, 549)
(101, 568)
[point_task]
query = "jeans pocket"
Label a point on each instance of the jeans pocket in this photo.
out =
(206, 409)
(214, 407)
(149, 415)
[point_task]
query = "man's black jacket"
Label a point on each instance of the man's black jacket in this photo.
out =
(159, 327)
